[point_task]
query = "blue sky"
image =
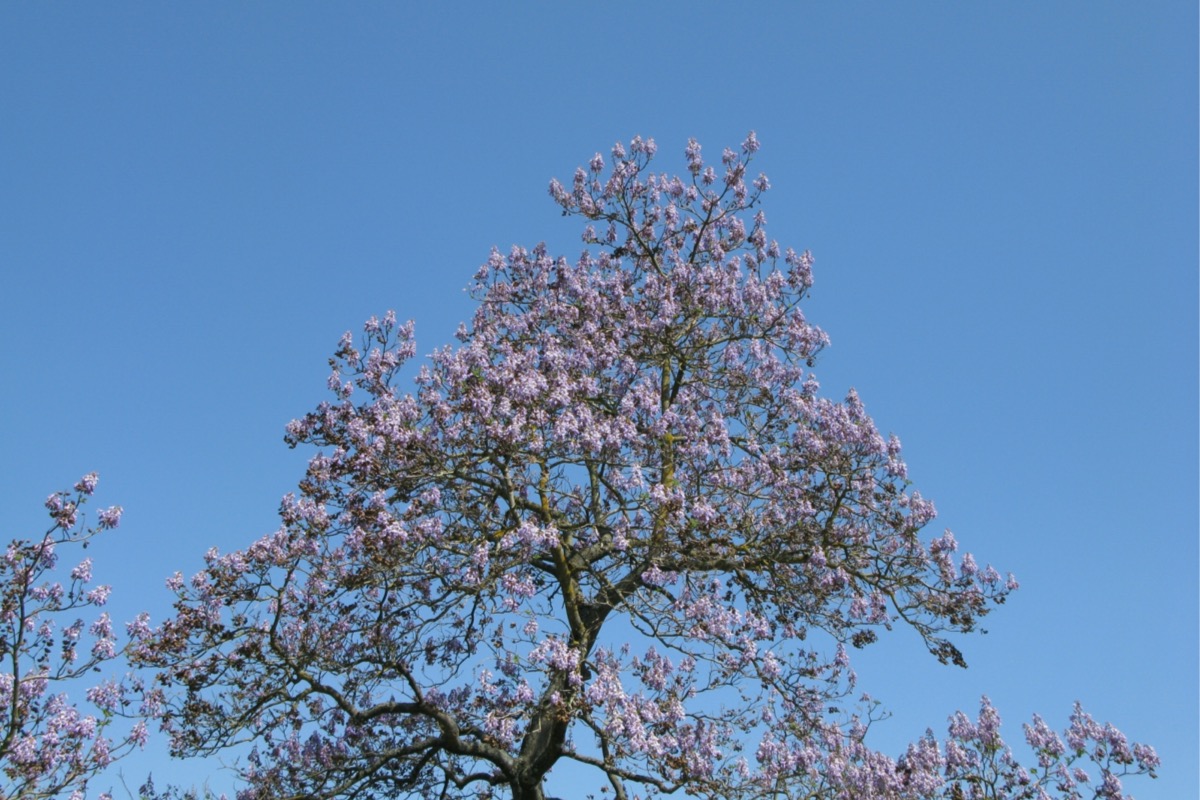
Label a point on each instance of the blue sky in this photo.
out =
(196, 200)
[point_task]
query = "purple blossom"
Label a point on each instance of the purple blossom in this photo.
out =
(692, 153)
(82, 572)
(110, 517)
(87, 484)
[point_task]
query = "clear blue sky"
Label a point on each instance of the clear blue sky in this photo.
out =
(197, 199)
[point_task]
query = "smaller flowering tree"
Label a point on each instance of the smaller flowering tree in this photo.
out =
(972, 763)
(49, 746)
(977, 764)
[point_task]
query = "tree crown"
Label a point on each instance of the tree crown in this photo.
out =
(616, 524)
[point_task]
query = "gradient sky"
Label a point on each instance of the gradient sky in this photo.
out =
(196, 200)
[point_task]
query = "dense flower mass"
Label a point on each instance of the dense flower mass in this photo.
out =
(616, 524)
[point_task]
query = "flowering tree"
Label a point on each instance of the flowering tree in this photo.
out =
(48, 746)
(616, 525)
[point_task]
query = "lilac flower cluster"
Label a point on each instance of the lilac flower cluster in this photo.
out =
(615, 524)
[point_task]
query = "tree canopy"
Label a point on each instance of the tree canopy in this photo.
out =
(616, 524)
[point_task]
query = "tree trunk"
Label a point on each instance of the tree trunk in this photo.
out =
(533, 791)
